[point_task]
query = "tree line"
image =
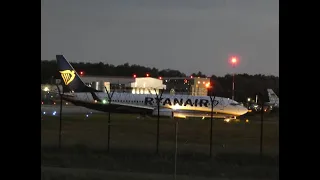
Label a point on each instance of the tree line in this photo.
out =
(245, 85)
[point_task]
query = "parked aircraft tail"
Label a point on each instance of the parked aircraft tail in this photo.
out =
(71, 80)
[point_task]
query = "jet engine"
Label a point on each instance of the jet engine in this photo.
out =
(162, 112)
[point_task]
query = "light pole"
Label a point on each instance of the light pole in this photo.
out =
(213, 104)
(234, 61)
(109, 117)
(261, 127)
(176, 149)
(60, 114)
(158, 99)
(176, 141)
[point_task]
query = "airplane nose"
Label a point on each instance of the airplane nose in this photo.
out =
(242, 110)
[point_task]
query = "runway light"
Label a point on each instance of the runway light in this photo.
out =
(46, 89)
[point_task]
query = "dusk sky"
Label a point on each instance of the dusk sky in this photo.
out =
(186, 35)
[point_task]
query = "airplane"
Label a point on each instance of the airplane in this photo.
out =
(273, 98)
(182, 106)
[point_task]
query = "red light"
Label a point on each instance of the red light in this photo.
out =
(234, 60)
(81, 72)
(147, 75)
(134, 75)
(160, 77)
(191, 76)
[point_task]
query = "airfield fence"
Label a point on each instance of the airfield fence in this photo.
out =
(134, 132)
(87, 139)
(235, 145)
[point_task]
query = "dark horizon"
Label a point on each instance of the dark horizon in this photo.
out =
(187, 75)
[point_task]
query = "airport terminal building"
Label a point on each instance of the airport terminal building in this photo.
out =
(141, 85)
(145, 85)
(194, 86)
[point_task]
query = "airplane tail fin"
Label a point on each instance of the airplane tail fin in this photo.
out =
(70, 78)
(272, 96)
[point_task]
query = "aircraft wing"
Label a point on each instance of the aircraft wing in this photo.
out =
(114, 106)
(122, 106)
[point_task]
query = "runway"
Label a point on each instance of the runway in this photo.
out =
(66, 109)
(53, 110)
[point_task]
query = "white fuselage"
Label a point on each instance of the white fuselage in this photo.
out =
(178, 103)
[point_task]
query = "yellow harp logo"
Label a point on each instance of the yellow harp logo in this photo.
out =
(67, 76)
